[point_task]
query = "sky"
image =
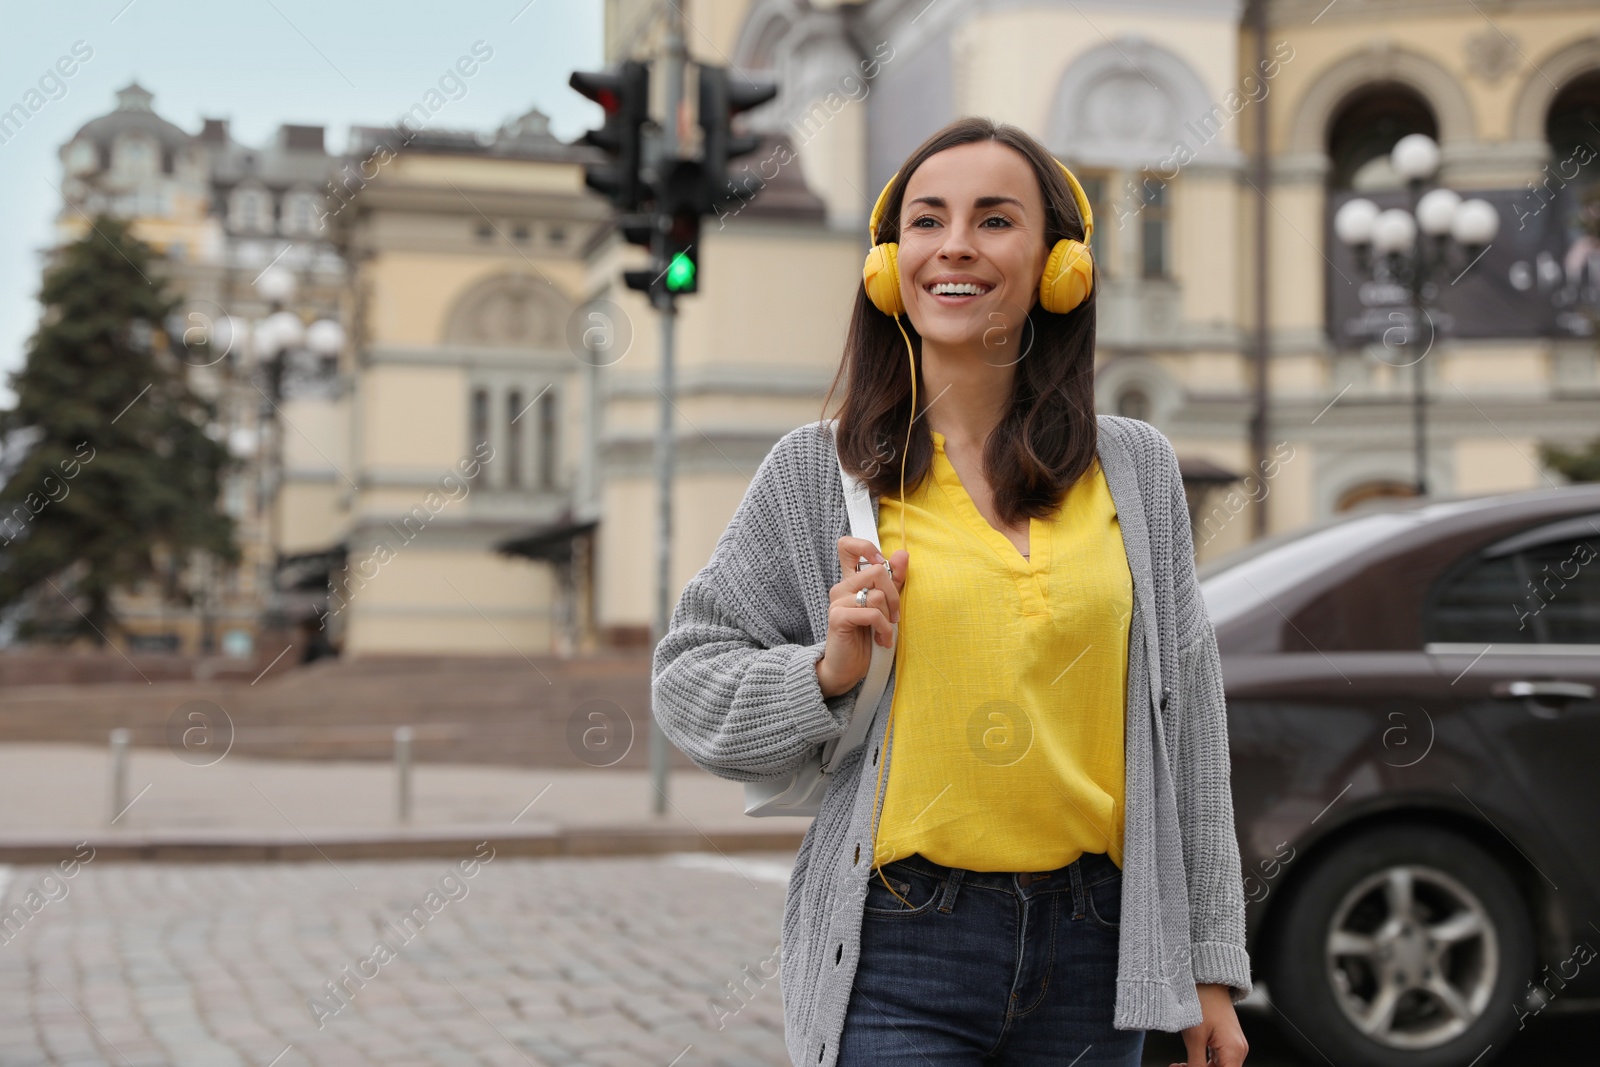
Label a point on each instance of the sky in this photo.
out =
(259, 64)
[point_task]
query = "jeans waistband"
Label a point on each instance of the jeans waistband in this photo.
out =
(1092, 868)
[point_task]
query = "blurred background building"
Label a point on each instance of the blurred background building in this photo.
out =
(460, 275)
(469, 258)
(239, 232)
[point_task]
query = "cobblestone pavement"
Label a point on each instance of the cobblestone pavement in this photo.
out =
(621, 962)
(615, 962)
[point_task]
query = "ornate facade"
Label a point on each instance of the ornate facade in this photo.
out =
(1215, 162)
(478, 478)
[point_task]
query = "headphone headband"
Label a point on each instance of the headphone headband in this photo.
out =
(1072, 182)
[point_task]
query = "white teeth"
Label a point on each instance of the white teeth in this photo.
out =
(958, 289)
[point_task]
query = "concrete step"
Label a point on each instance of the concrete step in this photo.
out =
(557, 713)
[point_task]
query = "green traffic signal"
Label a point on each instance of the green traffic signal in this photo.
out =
(680, 273)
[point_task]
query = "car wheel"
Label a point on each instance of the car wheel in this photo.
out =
(1406, 947)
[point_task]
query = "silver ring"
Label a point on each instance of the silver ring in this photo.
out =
(861, 598)
(889, 569)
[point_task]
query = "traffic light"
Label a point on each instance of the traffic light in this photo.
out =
(679, 196)
(625, 96)
(675, 270)
(721, 98)
(682, 255)
(664, 214)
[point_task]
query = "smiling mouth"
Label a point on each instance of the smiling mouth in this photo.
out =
(958, 292)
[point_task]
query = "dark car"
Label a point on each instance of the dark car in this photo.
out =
(1416, 771)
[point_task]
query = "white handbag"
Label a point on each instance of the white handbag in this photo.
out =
(800, 792)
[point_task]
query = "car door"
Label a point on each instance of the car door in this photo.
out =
(1317, 741)
(1514, 631)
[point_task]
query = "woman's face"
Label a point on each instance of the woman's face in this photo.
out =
(972, 215)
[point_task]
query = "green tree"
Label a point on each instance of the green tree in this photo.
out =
(110, 477)
(1580, 465)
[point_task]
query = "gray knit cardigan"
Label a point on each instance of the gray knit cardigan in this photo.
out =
(734, 685)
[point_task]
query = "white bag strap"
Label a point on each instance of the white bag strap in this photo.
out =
(858, 504)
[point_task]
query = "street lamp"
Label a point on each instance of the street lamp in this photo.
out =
(283, 335)
(275, 285)
(325, 339)
(290, 357)
(1441, 235)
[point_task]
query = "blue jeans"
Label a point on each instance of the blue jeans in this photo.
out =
(989, 968)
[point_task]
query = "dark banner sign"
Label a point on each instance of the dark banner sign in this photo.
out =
(1540, 277)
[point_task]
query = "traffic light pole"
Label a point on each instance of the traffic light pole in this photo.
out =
(664, 466)
(659, 202)
(666, 304)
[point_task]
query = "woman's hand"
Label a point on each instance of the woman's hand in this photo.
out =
(1218, 1031)
(853, 629)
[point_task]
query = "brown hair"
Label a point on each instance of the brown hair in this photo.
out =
(1046, 439)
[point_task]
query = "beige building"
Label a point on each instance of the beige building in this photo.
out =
(465, 430)
(478, 478)
(489, 330)
(1158, 105)
(1509, 99)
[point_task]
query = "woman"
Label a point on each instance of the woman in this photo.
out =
(1050, 869)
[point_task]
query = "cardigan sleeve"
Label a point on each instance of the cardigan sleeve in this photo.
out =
(1203, 787)
(733, 681)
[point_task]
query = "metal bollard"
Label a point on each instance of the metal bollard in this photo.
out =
(120, 739)
(402, 767)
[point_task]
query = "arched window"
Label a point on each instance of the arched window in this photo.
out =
(1364, 129)
(1571, 128)
(1134, 403)
(1377, 490)
(511, 310)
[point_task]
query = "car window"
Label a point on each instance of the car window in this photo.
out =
(1526, 590)
(1479, 603)
(1564, 576)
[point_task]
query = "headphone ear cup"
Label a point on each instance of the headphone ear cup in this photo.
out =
(1068, 277)
(881, 275)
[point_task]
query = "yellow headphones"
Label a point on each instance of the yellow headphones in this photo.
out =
(1068, 273)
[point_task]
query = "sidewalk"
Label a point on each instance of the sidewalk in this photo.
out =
(55, 796)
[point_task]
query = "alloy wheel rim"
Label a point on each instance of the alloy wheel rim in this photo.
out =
(1412, 957)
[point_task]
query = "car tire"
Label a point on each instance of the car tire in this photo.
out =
(1343, 951)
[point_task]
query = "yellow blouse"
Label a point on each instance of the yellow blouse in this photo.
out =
(1011, 681)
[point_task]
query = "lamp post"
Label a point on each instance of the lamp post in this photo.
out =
(1453, 234)
(280, 343)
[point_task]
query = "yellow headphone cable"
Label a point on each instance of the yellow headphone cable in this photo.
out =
(1067, 281)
